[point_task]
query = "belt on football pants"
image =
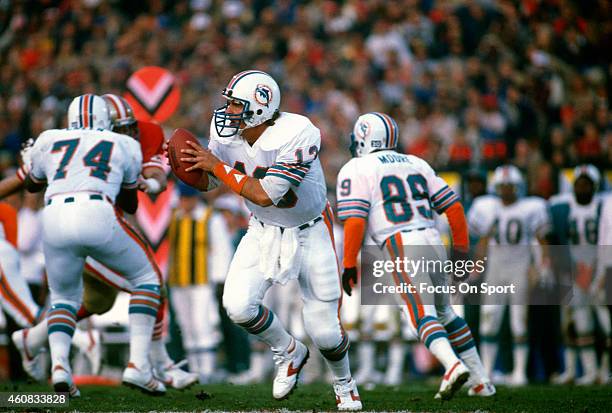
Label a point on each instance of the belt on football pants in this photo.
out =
(301, 227)
(70, 199)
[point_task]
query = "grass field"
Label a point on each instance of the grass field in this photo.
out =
(319, 397)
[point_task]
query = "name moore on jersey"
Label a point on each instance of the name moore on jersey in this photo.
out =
(393, 191)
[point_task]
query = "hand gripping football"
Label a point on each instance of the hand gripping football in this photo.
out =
(177, 142)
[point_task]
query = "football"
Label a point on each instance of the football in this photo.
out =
(178, 141)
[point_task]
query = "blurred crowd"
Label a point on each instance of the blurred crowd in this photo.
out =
(471, 83)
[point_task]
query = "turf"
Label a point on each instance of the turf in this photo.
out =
(319, 397)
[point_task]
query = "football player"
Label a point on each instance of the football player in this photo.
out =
(271, 159)
(15, 296)
(508, 225)
(84, 171)
(391, 194)
(100, 283)
(575, 222)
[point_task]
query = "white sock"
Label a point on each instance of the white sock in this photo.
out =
(159, 354)
(520, 353)
(60, 349)
(194, 363)
(275, 336)
(141, 329)
(37, 337)
(588, 358)
(395, 364)
(570, 361)
(488, 350)
(472, 360)
(81, 340)
(442, 350)
(340, 369)
(207, 361)
(366, 353)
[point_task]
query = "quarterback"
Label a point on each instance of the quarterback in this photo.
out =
(270, 158)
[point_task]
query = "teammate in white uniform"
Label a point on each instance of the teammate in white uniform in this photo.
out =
(271, 159)
(575, 221)
(509, 225)
(395, 193)
(85, 168)
(100, 283)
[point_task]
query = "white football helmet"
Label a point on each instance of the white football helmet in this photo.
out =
(590, 171)
(260, 97)
(507, 174)
(89, 112)
(372, 132)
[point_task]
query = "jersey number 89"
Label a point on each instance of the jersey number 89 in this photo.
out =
(395, 197)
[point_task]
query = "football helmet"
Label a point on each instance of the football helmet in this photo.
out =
(88, 111)
(508, 175)
(373, 131)
(260, 97)
(590, 171)
(121, 115)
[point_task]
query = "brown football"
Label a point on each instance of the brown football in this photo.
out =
(178, 141)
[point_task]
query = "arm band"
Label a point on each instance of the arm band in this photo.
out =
(230, 177)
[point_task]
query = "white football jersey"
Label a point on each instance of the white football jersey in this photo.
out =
(516, 224)
(582, 225)
(285, 159)
(395, 192)
(84, 160)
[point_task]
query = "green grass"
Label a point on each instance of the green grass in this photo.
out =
(319, 397)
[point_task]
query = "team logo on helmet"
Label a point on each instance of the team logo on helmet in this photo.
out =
(263, 95)
(363, 129)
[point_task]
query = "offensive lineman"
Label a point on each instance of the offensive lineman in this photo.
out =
(271, 159)
(101, 284)
(390, 194)
(508, 225)
(86, 169)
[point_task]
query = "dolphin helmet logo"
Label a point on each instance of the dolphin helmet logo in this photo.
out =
(263, 95)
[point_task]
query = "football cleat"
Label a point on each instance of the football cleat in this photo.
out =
(142, 380)
(563, 378)
(453, 379)
(32, 363)
(486, 389)
(518, 379)
(347, 396)
(175, 377)
(62, 382)
(290, 362)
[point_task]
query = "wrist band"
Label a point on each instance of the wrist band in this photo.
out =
(153, 185)
(230, 177)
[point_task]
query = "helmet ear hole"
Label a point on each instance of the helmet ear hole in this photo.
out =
(259, 111)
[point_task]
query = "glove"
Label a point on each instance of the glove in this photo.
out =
(26, 159)
(148, 185)
(349, 279)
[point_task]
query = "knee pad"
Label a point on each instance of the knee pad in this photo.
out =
(238, 309)
(322, 323)
(98, 297)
